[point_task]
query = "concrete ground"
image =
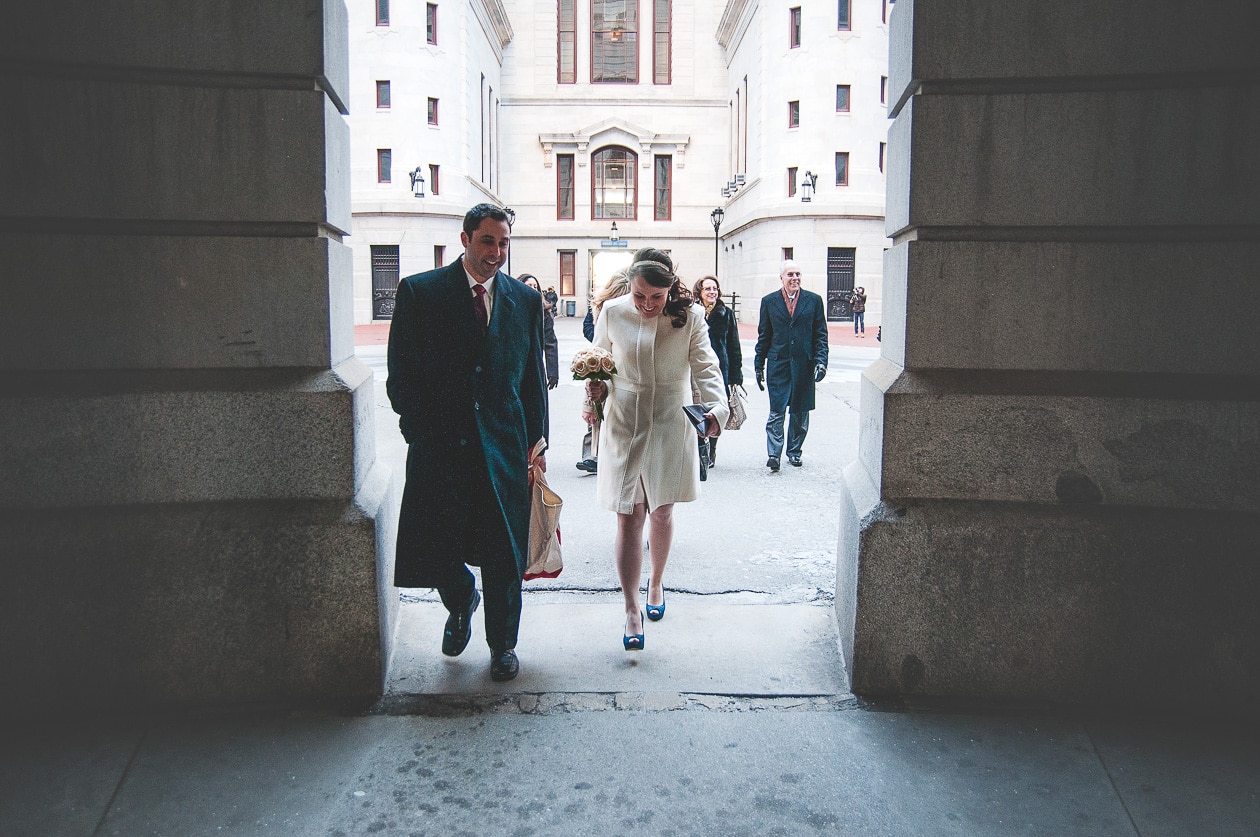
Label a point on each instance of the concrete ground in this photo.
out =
(734, 720)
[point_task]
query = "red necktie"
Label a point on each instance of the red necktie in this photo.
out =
(479, 303)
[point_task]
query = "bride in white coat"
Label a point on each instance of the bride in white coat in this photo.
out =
(647, 446)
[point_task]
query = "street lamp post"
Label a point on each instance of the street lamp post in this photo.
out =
(716, 217)
(511, 216)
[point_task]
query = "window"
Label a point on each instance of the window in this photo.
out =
(888, 4)
(883, 90)
(566, 43)
(661, 45)
(382, 12)
(434, 186)
(614, 186)
(844, 16)
(842, 168)
(382, 94)
(384, 280)
(383, 165)
(788, 253)
(433, 111)
(430, 23)
(439, 255)
(842, 98)
(794, 114)
(883, 150)
(564, 187)
(794, 27)
(614, 42)
(662, 199)
(791, 183)
(568, 272)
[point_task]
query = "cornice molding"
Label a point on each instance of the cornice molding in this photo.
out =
(624, 133)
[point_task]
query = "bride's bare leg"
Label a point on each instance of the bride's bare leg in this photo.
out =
(629, 553)
(660, 539)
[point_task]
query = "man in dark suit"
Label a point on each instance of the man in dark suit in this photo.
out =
(791, 355)
(467, 380)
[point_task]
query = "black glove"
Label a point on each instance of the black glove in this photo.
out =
(820, 372)
(552, 383)
(761, 380)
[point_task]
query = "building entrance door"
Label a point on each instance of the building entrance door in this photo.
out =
(841, 269)
(384, 280)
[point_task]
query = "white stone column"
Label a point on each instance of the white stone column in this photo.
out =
(190, 509)
(1057, 494)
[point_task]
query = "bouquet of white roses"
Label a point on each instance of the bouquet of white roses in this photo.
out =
(594, 364)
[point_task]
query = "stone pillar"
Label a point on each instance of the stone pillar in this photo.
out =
(190, 504)
(1057, 494)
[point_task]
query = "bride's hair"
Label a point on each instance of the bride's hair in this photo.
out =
(677, 301)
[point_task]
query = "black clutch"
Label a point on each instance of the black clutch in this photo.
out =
(695, 414)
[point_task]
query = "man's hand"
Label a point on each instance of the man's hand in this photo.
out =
(820, 372)
(553, 382)
(761, 380)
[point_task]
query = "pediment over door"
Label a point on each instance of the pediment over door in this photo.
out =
(615, 132)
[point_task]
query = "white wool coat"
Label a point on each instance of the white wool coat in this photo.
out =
(645, 433)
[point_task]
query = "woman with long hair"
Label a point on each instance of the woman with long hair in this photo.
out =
(660, 343)
(724, 337)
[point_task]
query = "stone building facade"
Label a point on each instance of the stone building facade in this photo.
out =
(648, 114)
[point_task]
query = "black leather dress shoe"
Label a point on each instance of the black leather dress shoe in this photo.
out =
(459, 628)
(772, 464)
(504, 666)
(590, 466)
(795, 460)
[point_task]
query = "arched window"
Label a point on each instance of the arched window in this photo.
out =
(614, 183)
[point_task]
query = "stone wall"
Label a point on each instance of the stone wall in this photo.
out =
(191, 508)
(1058, 487)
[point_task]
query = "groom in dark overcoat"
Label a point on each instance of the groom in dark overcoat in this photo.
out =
(466, 378)
(791, 356)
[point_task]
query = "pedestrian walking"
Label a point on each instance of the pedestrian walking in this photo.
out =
(466, 378)
(724, 338)
(551, 352)
(660, 343)
(791, 356)
(857, 301)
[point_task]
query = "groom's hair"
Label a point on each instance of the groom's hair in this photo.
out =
(481, 212)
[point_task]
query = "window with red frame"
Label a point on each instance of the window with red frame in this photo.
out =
(433, 111)
(791, 182)
(382, 94)
(844, 17)
(662, 203)
(564, 187)
(383, 165)
(568, 272)
(842, 168)
(842, 98)
(566, 42)
(661, 41)
(794, 27)
(434, 186)
(439, 255)
(614, 42)
(382, 12)
(794, 114)
(430, 23)
(614, 183)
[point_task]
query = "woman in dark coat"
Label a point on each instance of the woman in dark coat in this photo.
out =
(724, 337)
(551, 355)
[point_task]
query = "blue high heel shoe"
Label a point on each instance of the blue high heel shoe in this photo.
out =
(633, 642)
(657, 612)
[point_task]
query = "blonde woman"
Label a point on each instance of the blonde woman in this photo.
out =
(660, 343)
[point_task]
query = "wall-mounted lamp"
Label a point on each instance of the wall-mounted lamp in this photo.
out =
(807, 186)
(613, 236)
(716, 217)
(511, 216)
(417, 183)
